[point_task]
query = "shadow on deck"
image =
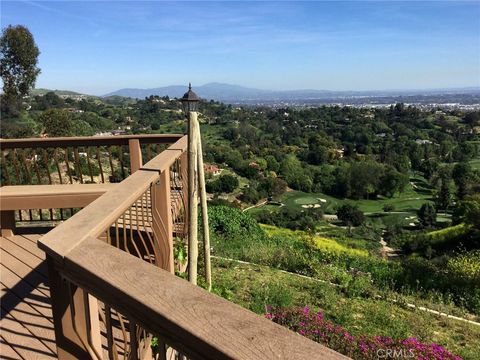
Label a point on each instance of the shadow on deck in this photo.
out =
(26, 313)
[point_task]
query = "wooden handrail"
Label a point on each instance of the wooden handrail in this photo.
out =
(195, 323)
(98, 215)
(199, 324)
(26, 197)
(88, 141)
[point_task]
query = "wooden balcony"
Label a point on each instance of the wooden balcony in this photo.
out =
(100, 283)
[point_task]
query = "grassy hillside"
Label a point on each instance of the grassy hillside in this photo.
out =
(320, 242)
(42, 92)
(256, 287)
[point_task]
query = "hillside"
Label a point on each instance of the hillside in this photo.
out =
(41, 92)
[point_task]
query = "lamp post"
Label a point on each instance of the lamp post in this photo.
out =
(189, 101)
(190, 104)
(196, 177)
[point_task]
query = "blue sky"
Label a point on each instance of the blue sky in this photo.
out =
(98, 46)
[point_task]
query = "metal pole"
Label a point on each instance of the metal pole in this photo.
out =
(192, 199)
(203, 204)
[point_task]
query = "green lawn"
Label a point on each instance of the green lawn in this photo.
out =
(475, 163)
(409, 201)
(268, 207)
(295, 199)
(406, 204)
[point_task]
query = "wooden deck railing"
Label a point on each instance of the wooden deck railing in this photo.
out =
(74, 160)
(113, 289)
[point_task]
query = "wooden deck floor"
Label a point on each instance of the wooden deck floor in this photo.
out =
(26, 325)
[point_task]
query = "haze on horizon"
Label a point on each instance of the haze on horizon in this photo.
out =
(98, 47)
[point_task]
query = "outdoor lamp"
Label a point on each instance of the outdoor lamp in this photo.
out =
(189, 101)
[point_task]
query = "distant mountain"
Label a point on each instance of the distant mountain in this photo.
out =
(172, 91)
(237, 93)
(221, 92)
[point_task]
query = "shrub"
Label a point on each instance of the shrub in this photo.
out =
(231, 222)
(292, 219)
(319, 242)
(466, 266)
(270, 294)
(388, 207)
(360, 286)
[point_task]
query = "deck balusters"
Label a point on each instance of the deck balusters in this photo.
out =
(145, 229)
(89, 163)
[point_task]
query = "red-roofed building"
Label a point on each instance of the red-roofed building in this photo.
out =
(212, 169)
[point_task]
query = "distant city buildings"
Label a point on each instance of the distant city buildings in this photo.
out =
(423, 142)
(112, 133)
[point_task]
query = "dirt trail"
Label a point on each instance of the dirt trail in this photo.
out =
(255, 206)
(387, 251)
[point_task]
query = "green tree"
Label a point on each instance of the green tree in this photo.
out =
(272, 186)
(468, 211)
(82, 128)
(461, 174)
(351, 215)
(365, 178)
(224, 184)
(472, 118)
(57, 122)
(446, 149)
(392, 181)
(427, 215)
(18, 65)
(53, 100)
(19, 127)
(250, 195)
(444, 196)
(272, 163)
(429, 167)
(295, 174)
(228, 183)
(96, 122)
(464, 151)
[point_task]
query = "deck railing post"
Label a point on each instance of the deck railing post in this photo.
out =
(7, 222)
(163, 221)
(135, 151)
(75, 318)
(192, 199)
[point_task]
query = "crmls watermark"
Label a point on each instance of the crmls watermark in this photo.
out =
(395, 353)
